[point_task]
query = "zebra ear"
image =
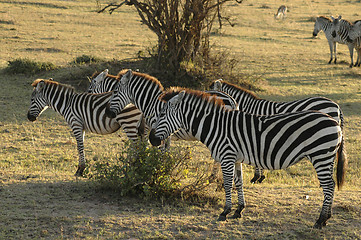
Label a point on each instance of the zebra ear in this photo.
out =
(40, 85)
(126, 77)
(217, 85)
(101, 76)
(332, 18)
(339, 17)
(177, 98)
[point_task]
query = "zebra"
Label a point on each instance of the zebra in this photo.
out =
(269, 142)
(350, 33)
(355, 36)
(342, 32)
(281, 12)
(143, 91)
(104, 82)
(82, 111)
(326, 25)
(250, 103)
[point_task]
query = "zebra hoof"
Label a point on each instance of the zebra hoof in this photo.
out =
(221, 218)
(79, 171)
(254, 179)
(261, 179)
(236, 215)
(319, 225)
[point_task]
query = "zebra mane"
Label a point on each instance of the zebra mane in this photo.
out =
(325, 18)
(238, 89)
(50, 82)
(142, 75)
(96, 73)
(204, 96)
(347, 21)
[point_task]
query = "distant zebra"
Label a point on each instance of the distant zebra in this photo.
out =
(342, 33)
(269, 142)
(325, 24)
(350, 33)
(248, 102)
(355, 36)
(82, 111)
(104, 82)
(281, 12)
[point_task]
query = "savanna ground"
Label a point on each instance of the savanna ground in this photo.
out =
(40, 197)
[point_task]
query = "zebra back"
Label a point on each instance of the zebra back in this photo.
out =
(79, 109)
(250, 103)
(342, 28)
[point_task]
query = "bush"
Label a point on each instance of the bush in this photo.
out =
(27, 66)
(146, 171)
(85, 59)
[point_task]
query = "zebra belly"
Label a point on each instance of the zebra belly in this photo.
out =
(107, 126)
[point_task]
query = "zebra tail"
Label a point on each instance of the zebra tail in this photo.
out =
(341, 165)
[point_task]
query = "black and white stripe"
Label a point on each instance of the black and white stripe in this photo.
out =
(104, 82)
(341, 29)
(82, 111)
(325, 24)
(143, 91)
(269, 142)
(250, 103)
(350, 33)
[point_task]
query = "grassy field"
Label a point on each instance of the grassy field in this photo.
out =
(40, 197)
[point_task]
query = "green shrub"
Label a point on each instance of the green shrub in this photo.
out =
(85, 59)
(27, 66)
(146, 171)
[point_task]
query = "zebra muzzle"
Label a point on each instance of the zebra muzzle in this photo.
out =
(109, 113)
(155, 141)
(31, 117)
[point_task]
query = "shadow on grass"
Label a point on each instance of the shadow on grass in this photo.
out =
(32, 209)
(77, 209)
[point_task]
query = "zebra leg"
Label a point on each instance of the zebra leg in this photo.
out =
(258, 175)
(141, 128)
(358, 62)
(334, 51)
(227, 171)
(213, 175)
(331, 45)
(350, 48)
(79, 136)
(328, 186)
(238, 181)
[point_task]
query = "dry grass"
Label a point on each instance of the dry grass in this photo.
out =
(40, 198)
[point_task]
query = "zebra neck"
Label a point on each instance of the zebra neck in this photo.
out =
(326, 26)
(59, 98)
(149, 104)
(201, 122)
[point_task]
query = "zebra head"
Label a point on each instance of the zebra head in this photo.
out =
(38, 103)
(120, 96)
(169, 120)
(335, 25)
(216, 85)
(95, 83)
(318, 27)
